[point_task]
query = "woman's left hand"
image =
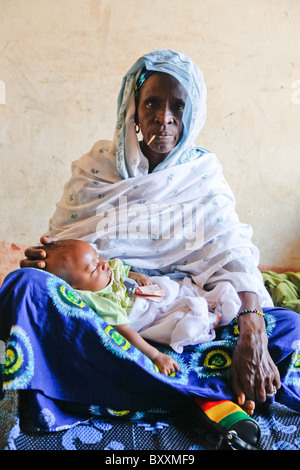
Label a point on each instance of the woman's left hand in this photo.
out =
(253, 372)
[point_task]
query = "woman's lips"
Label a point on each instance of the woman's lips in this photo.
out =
(160, 137)
(163, 136)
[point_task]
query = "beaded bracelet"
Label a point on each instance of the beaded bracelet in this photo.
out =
(258, 312)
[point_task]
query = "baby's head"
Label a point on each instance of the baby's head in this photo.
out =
(77, 263)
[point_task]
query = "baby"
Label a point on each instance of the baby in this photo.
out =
(78, 263)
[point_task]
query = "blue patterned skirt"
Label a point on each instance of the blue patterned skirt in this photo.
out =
(70, 365)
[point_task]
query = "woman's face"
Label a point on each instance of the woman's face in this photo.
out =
(160, 110)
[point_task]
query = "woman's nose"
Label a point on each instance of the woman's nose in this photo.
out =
(164, 116)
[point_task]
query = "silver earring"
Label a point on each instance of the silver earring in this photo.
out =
(137, 128)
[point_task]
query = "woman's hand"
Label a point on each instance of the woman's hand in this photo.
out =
(35, 255)
(253, 372)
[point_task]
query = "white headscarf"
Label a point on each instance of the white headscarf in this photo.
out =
(130, 160)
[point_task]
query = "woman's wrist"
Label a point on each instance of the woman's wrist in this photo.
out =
(250, 317)
(249, 301)
(253, 311)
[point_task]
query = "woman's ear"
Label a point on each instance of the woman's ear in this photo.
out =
(136, 116)
(136, 121)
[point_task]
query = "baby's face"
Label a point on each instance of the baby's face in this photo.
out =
(89, 270)
(80, 265)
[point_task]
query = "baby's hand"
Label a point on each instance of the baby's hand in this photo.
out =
(141, 279)
(166, 364)
(144, 280)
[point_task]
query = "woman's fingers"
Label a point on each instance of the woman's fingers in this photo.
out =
(236, 386)
(47, 239)
(253, 381)
(35, 254)
(34, 258)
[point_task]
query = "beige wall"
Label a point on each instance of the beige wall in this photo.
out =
(61, 65)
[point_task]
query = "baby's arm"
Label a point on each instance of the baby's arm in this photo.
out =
(140, 278)
(165, 363)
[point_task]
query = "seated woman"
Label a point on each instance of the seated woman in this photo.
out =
(162, 205)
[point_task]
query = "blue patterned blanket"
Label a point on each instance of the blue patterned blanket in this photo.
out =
(280, 430)
(82, 385)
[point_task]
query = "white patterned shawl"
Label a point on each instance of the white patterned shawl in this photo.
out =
(180, 218)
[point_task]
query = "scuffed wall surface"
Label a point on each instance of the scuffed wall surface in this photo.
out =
(61, 66)
(10, 257)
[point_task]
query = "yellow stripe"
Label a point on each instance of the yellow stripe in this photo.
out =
(218, 412)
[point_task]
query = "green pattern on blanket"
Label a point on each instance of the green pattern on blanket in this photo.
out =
(284, 289)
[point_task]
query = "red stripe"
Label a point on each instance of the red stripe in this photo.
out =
(205, 404)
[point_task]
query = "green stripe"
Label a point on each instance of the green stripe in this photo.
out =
(233, 418)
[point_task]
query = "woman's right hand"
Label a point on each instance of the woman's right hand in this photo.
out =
(35, 255)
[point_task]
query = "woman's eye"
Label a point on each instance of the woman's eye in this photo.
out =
(180, 106)
(150, 103)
